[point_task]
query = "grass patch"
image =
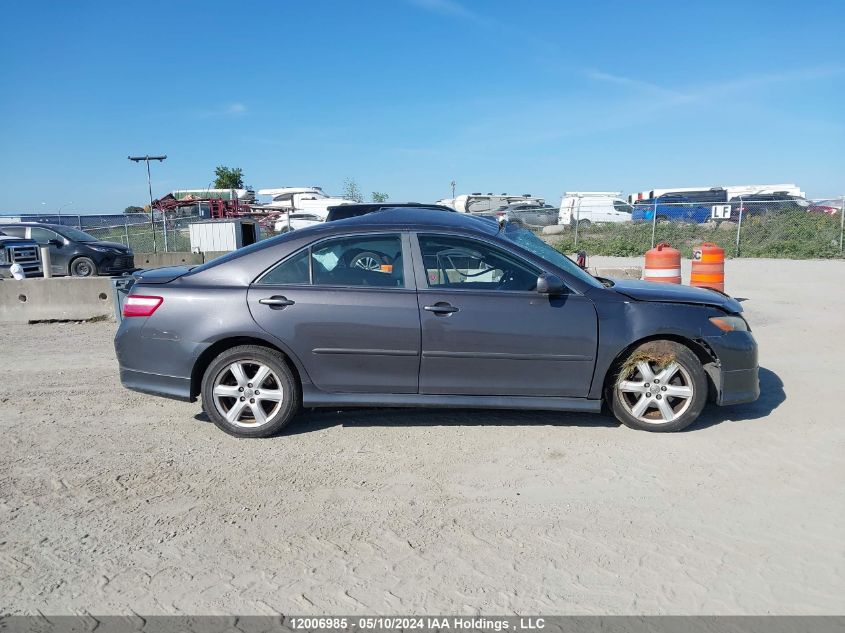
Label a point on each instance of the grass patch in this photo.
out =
(789, 234)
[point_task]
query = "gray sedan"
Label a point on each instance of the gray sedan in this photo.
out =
(425, 308)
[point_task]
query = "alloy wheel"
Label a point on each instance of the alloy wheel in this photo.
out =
(657, 396)
(248, 393)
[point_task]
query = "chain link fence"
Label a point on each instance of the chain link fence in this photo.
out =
(164, 233)
(794, 228)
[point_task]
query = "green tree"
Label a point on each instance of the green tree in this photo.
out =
(378, 196)
(133, 209)
(351, 190)
(226, 178)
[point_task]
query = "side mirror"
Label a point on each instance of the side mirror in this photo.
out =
(56, 242)
(548, 284)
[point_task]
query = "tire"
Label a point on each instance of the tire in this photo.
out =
(229, 396)
(640, 388)
(584, 224)
(83, 267)
(367, 260)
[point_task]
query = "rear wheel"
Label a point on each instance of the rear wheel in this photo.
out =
(661, 387)
(83, 267)
(249, 391)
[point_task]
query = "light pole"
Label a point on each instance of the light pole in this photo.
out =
(147, 159)
(453, 183)
(66, 204)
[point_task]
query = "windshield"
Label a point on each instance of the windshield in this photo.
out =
(76, 235)
(530, 242)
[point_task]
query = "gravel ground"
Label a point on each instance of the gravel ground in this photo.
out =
(113, 502)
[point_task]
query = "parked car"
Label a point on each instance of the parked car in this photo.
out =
(20, 251)
(777, 202)
(522, 214)
(831, 206)
(587, 207)
(689, 206)
(293, 221)
(74, 252)
(469, 313)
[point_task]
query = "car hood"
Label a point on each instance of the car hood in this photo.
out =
(113, 245)
(675, 293)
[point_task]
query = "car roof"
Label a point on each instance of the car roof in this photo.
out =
(414, 217)
(344, 211)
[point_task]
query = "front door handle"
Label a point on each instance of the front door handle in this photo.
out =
(276, 302)
(441, 308)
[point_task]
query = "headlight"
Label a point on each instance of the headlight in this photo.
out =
(100, 249)
(730, 323)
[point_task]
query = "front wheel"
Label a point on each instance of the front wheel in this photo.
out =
(660, 387)
(249, 391)
(83, 267)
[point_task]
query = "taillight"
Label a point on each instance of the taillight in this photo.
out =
(141, 305)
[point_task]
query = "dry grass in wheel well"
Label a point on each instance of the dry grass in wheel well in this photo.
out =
(661, 353)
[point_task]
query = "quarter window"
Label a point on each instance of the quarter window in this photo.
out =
(452, 262)
(14, 231)
(294, 270)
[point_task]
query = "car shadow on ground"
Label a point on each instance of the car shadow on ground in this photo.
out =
(310, 420)
(316, 419)
(771, 397)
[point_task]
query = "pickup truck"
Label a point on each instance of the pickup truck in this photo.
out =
(18, 250)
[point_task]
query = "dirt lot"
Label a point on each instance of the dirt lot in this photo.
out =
(114, 502)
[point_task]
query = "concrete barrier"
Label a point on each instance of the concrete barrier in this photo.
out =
(556, 229)
(159, 260)
(621, 272)
(56, 299)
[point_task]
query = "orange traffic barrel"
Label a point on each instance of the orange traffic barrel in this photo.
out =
(708, 267)
(663, 264)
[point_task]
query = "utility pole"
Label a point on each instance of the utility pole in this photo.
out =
(453, 183)
(147, 159)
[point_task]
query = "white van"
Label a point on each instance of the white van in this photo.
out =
(586, 207)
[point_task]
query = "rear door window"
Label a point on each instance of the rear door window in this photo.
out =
(365, 260)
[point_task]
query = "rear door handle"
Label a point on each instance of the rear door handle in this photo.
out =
(441, 308)
(276, 302)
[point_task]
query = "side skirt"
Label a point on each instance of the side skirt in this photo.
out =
(313, 398)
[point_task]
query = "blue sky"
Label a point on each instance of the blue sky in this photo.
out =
(406, 95)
